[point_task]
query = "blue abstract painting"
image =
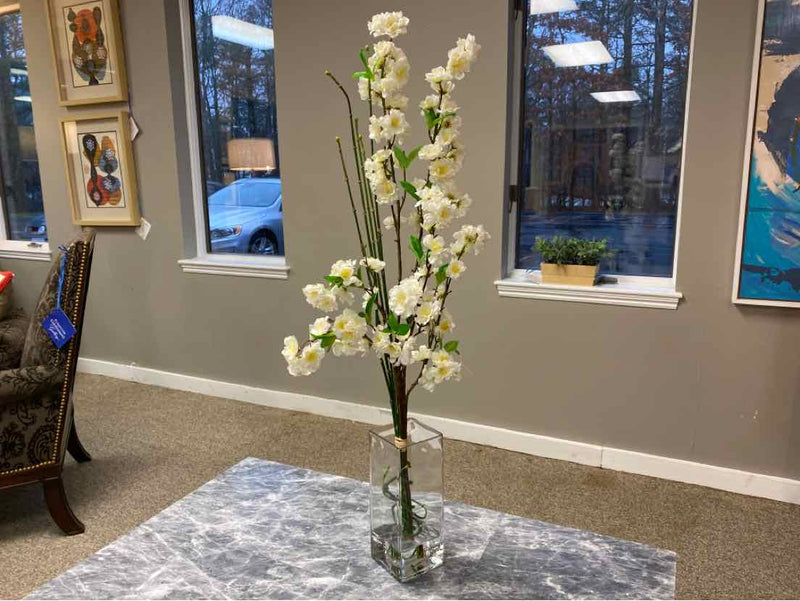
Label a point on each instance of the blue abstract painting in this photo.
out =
(769, 269)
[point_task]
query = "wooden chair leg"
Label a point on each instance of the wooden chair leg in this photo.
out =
(59, 508)
(75, 447)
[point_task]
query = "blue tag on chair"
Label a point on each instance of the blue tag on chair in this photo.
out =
(58, 327)
(57, 324)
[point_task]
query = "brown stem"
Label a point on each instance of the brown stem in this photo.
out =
(401, 431)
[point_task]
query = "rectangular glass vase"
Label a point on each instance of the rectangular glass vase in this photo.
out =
(407, 500)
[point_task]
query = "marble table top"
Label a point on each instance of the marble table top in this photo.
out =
(268, 530)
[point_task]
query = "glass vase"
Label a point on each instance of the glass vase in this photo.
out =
(407, 500)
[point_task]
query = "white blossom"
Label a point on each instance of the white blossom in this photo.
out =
(406, 356)
(385, 191)
(423, 353)
(290, 348)
(445, 325)
(460, 58)
(437, 77)
(319, 327)
(427, 311)
(404, 296)
(442, 367)
(393, 124)
(311, 358)
(390, 24)
(346, 269)
(321, 297)
(435, 244)
(343, 349)
(349, 327)
(455, 268)
(308, 361)
(469, 236)
(430, 152)
(443, 169)
(397, 101)
(381, 340)
(373, 264)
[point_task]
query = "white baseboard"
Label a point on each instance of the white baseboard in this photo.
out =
(737, 481)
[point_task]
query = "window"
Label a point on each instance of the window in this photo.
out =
(235, 123)
(22, 206)
(604, 88)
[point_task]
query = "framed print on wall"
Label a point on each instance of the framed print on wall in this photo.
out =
(768, 247)
(88, 51)
(100, 169)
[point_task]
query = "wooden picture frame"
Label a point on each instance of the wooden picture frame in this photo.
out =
(75, 42)
(767, 264)
(100, 168)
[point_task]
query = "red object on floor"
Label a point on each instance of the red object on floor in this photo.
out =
(5, 279)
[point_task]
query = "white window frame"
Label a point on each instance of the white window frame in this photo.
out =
(205, 262)
(622, 290)
(18, 249)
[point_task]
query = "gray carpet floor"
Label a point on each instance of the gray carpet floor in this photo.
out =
(152, 446)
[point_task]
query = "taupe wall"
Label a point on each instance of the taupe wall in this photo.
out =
(711, 382)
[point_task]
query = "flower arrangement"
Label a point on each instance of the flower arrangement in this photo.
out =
(402, 318)
(405, 324)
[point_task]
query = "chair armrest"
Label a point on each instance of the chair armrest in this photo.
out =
(27, 382)
(13, 330)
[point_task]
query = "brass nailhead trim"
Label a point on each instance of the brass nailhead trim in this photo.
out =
(64, 386)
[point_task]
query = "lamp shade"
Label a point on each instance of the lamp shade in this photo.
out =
(251, 154)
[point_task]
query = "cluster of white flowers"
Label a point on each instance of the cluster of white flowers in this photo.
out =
(441, 367)
(391, 69)
(378, 175)
(350, 330)
(391, 127)
(302, 362)
(390, 24)
(404, 297)
(407, 323)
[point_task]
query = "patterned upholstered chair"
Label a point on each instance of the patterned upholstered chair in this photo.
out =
(36, 415)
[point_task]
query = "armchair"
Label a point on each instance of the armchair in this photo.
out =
(37, 422)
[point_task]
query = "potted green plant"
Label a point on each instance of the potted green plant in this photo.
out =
(571, 261)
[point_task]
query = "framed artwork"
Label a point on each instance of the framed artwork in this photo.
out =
(767, 268)
(100, 169)
(88, 51)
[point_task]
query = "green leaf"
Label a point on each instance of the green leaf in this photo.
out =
(442, 117)
(326, 339)
(441, 274)
(413, 155)
(452, 346)
(401, 157)
(404, 159)
(360, 74)
(369, 307)
(403, 329)
(393, 323)
(416, 246)
(409, 187)
(430, 118)
(334, 279)
(363, 56)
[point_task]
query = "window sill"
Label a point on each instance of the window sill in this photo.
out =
(651, 293)
(273, 268)
(25, 251)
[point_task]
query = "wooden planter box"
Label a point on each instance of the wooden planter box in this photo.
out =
(569, 275)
